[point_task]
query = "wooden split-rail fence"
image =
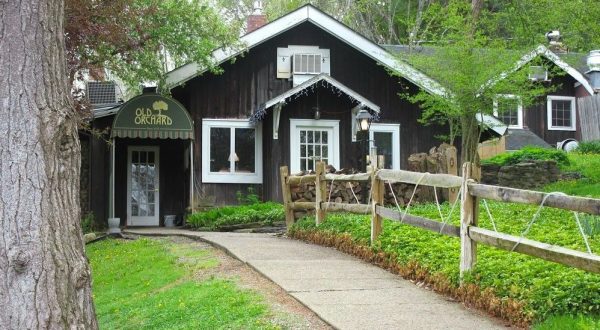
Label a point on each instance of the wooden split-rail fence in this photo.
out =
(468, 231)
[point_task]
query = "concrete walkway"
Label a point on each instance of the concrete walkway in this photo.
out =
(344, 291)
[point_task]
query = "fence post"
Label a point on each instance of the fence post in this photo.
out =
(320, 192)
(287, 196)
(468, 217)
(377, 195)
(452, 165)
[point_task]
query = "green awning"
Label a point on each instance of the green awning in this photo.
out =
(153, 116)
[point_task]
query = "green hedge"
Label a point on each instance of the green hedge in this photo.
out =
(545, 288)
(527, 154)
(213, 219)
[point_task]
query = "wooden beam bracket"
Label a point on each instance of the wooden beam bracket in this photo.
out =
(276, 117)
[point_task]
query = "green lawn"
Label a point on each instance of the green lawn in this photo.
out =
(589, 185)
(149, 284)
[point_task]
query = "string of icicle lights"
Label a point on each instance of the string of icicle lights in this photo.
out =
(261, 111)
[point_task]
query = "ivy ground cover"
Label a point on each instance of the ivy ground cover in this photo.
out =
(539, 289)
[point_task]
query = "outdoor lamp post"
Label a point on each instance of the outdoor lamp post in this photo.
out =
(363, 123)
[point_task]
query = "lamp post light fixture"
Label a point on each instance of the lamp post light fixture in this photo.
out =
(363, 120)
(363, 123)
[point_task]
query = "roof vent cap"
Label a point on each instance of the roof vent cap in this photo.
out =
(553, 36)
(258, 8)
(593, 60)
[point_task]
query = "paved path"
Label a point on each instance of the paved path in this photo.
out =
(344, 291)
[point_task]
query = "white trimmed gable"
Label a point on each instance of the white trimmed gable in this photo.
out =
(315, 16)
(543, 51)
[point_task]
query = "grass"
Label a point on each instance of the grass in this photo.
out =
(589, 167)
(149, 284)
(569, 322)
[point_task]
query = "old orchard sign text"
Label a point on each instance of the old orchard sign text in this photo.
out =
(154, 116)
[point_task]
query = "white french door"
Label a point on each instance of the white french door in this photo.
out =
(312, 141)
(142, 186)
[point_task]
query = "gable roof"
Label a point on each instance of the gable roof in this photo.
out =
(323, 79)
(309, 13)
(560, 60)
(543, 51)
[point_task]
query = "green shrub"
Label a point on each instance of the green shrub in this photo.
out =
(213, 219)
(529, 153)
(88, 223)
(589, 147)
(249, 198)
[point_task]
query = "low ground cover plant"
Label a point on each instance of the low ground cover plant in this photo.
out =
(510, 285)
(529, 153)
(266, 213)
(149, 284)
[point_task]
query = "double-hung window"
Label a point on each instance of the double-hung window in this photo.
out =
(312, 141)
(386, 137)
(561, 113)
(509, 109)
(231, 151)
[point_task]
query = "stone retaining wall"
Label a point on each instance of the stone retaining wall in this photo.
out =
(527, 175)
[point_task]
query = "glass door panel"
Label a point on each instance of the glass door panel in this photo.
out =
(142, 186)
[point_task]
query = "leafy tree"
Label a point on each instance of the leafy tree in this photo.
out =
(141, 40)
(470, 64)
(524, 23)
(44, 275)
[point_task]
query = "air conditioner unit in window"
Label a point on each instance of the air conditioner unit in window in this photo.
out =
(307, 63)
(101, 92)
(538, 73)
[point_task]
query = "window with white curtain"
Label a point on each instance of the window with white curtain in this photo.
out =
(231, 151)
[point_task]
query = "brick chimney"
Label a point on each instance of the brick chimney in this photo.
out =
(257, 18)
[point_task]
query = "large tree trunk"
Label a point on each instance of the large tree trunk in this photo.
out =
(44, 274)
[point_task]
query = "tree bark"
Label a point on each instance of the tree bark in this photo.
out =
(44, 274)
(469, 138)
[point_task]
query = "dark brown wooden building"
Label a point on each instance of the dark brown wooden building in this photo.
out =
(303, 63)
(555, 117)
(289, 98)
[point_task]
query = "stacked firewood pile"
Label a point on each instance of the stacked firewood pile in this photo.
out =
(350, 192)
(345, 192)
(339, 192)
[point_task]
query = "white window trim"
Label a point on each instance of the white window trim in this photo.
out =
(230, 177)
(296, 124)
(573, 126)
(519, 109)
(388, 128)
